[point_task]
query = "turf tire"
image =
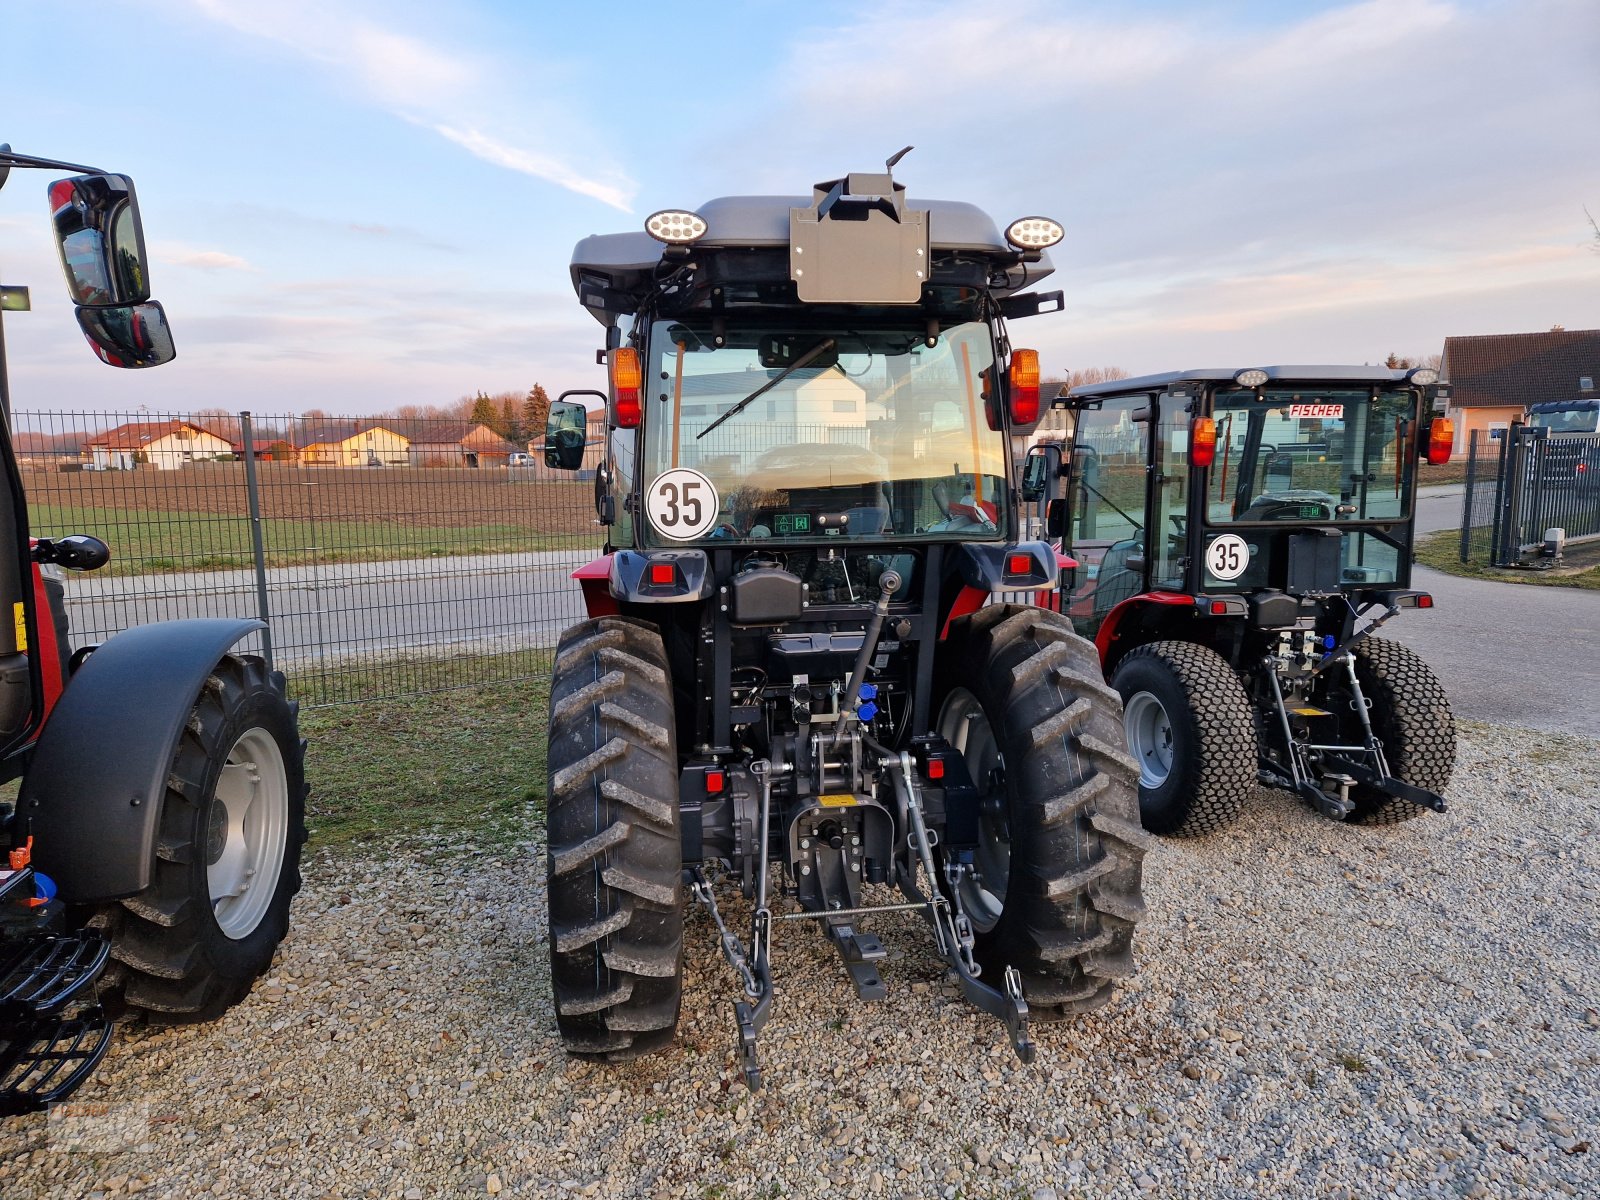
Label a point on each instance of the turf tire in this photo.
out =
(1411, 717)
(1212, 770)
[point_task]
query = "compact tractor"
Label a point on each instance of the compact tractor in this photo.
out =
(152, 838)
(791, 681)
(1241, 536)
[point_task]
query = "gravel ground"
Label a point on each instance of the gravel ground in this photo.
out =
(1320, 1011)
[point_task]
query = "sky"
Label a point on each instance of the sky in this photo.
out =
(354, 205)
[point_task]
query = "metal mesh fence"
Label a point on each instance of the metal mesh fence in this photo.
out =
(391, 557)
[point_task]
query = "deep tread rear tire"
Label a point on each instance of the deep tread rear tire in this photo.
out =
(171, 961)
(1073, 893)
(1213, 755)
(1411, 716)
(615, 860)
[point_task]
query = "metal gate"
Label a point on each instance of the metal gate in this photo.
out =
(1523, 483)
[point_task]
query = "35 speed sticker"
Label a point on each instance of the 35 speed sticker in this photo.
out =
(1227, 557)
(682, 504)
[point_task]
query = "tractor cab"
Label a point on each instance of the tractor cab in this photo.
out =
(1266, 516)
(807, 487)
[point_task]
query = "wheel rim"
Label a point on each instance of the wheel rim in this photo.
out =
(249, 826)
(1149, 732)
(963, 723)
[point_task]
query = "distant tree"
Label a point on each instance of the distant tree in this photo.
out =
(483, 411)
(224, 424)
(1594, 225)
(1052, 386)
(535, 410)
(510, 426)
(1395, 363)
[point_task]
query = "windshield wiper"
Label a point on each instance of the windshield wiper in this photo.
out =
(809, 356)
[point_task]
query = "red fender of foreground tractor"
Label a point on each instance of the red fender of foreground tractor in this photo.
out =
(595, 579)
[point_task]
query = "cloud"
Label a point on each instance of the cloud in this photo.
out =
(491, 150)
(206, 260)
(452, 94)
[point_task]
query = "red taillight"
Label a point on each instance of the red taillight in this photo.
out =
(715, 782)
(1019, 564)
(936, 768)
(663, 574)
(1219, 608)
(1441, 441)
(1202, 441)
(1024, 387)
(627, 378)
(1424, 600)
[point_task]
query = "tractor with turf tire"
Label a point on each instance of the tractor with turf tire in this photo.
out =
(1242, 536)
(153, 842)
(792, 685)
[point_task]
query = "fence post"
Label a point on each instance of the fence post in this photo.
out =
(1466, 501)
(253, 492)
(1514, 481)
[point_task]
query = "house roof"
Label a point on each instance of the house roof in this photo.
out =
(1519, 369)
(136, 435)
(473, 435)
(320, 432)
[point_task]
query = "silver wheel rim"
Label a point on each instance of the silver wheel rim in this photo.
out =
(963, 723)
(249, 827)
(1144, 720)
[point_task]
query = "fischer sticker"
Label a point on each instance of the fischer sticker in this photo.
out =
(682, 504)
(1228, 557)
(1330, 411)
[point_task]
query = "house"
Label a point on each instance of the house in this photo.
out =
(165, 445)
(331, 443)
(1495, 377)
(456, 444)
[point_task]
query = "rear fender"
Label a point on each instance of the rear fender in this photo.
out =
(595, 580)
(1113, 638)
(94, 790)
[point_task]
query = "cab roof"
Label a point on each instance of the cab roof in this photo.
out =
(627, 262)
(1275, 375)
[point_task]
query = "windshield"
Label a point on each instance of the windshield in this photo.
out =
(1312, 455)
(829, 432)
(1572, 421)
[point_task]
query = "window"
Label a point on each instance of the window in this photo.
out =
(1586, 383)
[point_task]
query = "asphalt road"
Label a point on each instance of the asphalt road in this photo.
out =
(1509, 653)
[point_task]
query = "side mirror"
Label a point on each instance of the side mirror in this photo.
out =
(76, 552)
(101, 240)
(1035, 475)
(134, 335)
(566, 432)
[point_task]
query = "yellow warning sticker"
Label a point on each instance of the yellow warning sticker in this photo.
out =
(22, 626)
(1308, 711)
(837, 800)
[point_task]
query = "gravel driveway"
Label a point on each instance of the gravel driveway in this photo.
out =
(1321, 1011)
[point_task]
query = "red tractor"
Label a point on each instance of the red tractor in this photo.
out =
(152, 848)
(1242, 535)
(791, 684)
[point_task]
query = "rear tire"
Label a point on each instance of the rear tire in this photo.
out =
(1189, 728)
(1411, 717)
(615, 859)
(1060, 843)
(227, 865)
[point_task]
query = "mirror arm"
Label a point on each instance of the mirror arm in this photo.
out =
(10, 158)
